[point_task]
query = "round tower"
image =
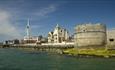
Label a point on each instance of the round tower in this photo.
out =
(90, 35)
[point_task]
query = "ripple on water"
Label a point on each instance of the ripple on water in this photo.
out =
(15, 59)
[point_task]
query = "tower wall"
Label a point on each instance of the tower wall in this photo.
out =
(90, 35)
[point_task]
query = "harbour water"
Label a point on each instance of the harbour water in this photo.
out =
(16, 59)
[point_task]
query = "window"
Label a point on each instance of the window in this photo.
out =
(111, 40)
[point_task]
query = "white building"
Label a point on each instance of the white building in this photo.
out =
(59, 35)
(50, 37)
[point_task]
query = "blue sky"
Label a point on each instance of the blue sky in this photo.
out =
(45, 14)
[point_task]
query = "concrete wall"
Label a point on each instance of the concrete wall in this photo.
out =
(90, 35)
(111, 37)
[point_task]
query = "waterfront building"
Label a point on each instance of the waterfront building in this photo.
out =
(71, 38)
(30, 40)
(10, 42)
(111, 38)
(90, 35)
(50, 37)
(59, 35)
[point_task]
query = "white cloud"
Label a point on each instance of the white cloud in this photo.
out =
(47, 10)
(10, 31)
(6, 27)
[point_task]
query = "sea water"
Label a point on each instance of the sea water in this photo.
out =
(16, 59)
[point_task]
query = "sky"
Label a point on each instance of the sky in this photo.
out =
(45, 14)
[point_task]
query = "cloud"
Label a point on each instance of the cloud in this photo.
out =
(47, 10)
(7, 29)
(13, 19)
